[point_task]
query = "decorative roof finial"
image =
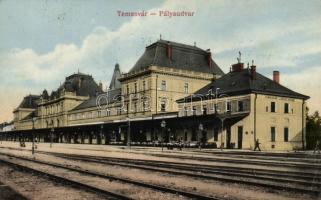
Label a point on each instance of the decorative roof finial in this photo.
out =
(239, 58)
(194, 44)
(248, 65)
(252, 62)
(160, 37)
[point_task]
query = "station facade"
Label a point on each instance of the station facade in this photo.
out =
(174, 92)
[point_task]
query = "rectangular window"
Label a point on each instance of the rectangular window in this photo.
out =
(118, 111)
(108, 112)
(135, 88)
(194, 110)
(99, 113)
(228, 106)
(163, 106)
(163, 85)
(89, 115)
(215, 108)
(103, 113)
(273, 108)
(186, 88)
(135, 107)
(204, 110)
(240, 106)
(286, 134)
(286, 108)
(127, 107)
(127, 89)
(144, 85)
(273, 134)
(185, 111)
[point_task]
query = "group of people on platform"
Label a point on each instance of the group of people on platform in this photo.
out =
(180, 144)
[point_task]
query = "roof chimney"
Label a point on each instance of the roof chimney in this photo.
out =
(253, 71)
(276, 76)
(209, 57)
(169, 51)
(237, 67)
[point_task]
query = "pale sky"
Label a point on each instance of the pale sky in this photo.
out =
(42, 42)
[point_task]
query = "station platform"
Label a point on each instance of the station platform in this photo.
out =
(7, 193)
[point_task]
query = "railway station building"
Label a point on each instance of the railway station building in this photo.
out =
(174, 92)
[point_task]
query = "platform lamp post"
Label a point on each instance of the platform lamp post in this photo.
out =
(101, 134)
(51, 136)
(33, 134)
(200, 128)
(128, 134)
(222, 118)
(163, 125)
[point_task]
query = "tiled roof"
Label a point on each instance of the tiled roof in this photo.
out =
(82, 84)
(184, 57)
(240, 82)
(29, 101)
(92, 102)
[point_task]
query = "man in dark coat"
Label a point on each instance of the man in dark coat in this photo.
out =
(257, 145)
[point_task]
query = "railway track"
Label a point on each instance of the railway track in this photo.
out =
(233, 171)
(308, 183)
(298, 165)
(191, 195)
(259, 161)
(301, 158)
(66, 181)
(253, 177)
(300, 181)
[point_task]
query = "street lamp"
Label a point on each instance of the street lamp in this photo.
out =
(200, 128)
(51, 135)
(163, 125)
(33, 134)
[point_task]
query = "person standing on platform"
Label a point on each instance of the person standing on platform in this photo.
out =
(257, 145)
(317, 147)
